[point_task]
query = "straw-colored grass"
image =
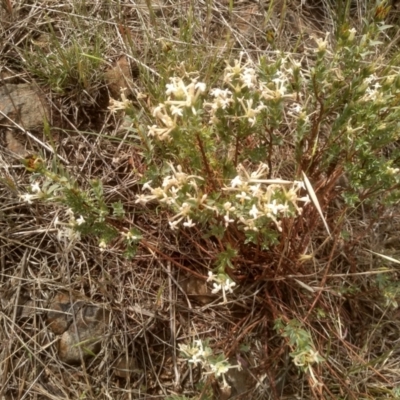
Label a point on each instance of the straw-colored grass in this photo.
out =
(336, 292)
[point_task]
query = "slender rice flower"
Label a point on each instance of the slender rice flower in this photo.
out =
(118, 105)
(221, 282)
(184, 96)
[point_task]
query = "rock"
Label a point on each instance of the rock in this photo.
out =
(62, 310)
(196, 289)
(240, 382)
(23, 104)
(118, 77)
(125, 366)
(80, 324)
(14, 144)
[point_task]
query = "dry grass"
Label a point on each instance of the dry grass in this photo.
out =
(333, 293)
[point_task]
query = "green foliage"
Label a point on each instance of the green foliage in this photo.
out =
(301, 344)
(201, 353)
(225, 258)
(219, 136)
(96, 218)
(67, 68)
(389, 287)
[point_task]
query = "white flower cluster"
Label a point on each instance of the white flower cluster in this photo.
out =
(244, 90)
(221, 282)
(245, 87)
(66, 232)
(249, 197)
(257, 197)
(37, 193)
(180, 191)
(373, 90)
(198, 353)
(120, 105)
(180, 98)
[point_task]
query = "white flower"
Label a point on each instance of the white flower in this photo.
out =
(228, 206)
(322, 43)
(200, 86)
(189, 223)
(70, 234)
(174, 224)
(102, 245)
(80, 220)
(250, 113)
(223, 283)
(27, 197)
(217, 287)
(184, 95)
(211, 276)
(194, 353)
(146, 186)
(227, 219)
(185, 209)
(160, 133)
(255, 190)
(222, 98)
(237, 181)
(272, 208)
(219, 368)
(35, 187)
(161, 113)
(243, 196)
(130, 236)
(392, 171)
(295, 109)
(254, 211)
(249, 77)
(116, 105)
(370, 79)
(143, 199)
(229, 285)
(352, 32)
(176, 111)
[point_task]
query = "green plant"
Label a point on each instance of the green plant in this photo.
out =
(217, 150)
(70, 68)
(389, 287)
(302, 349)
(201, 353)
(55, 186)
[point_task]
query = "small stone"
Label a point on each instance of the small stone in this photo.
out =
(80, 324)
(118, 77)
(196, 289)
(61, 315)
(14, 144)
(23, 104)
(85, 336)
(125, 366)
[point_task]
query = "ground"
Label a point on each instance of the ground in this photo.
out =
(80, 321)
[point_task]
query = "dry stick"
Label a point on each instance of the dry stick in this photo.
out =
(172, 323)
(14, 318)
(323, 281)
(206, 165)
